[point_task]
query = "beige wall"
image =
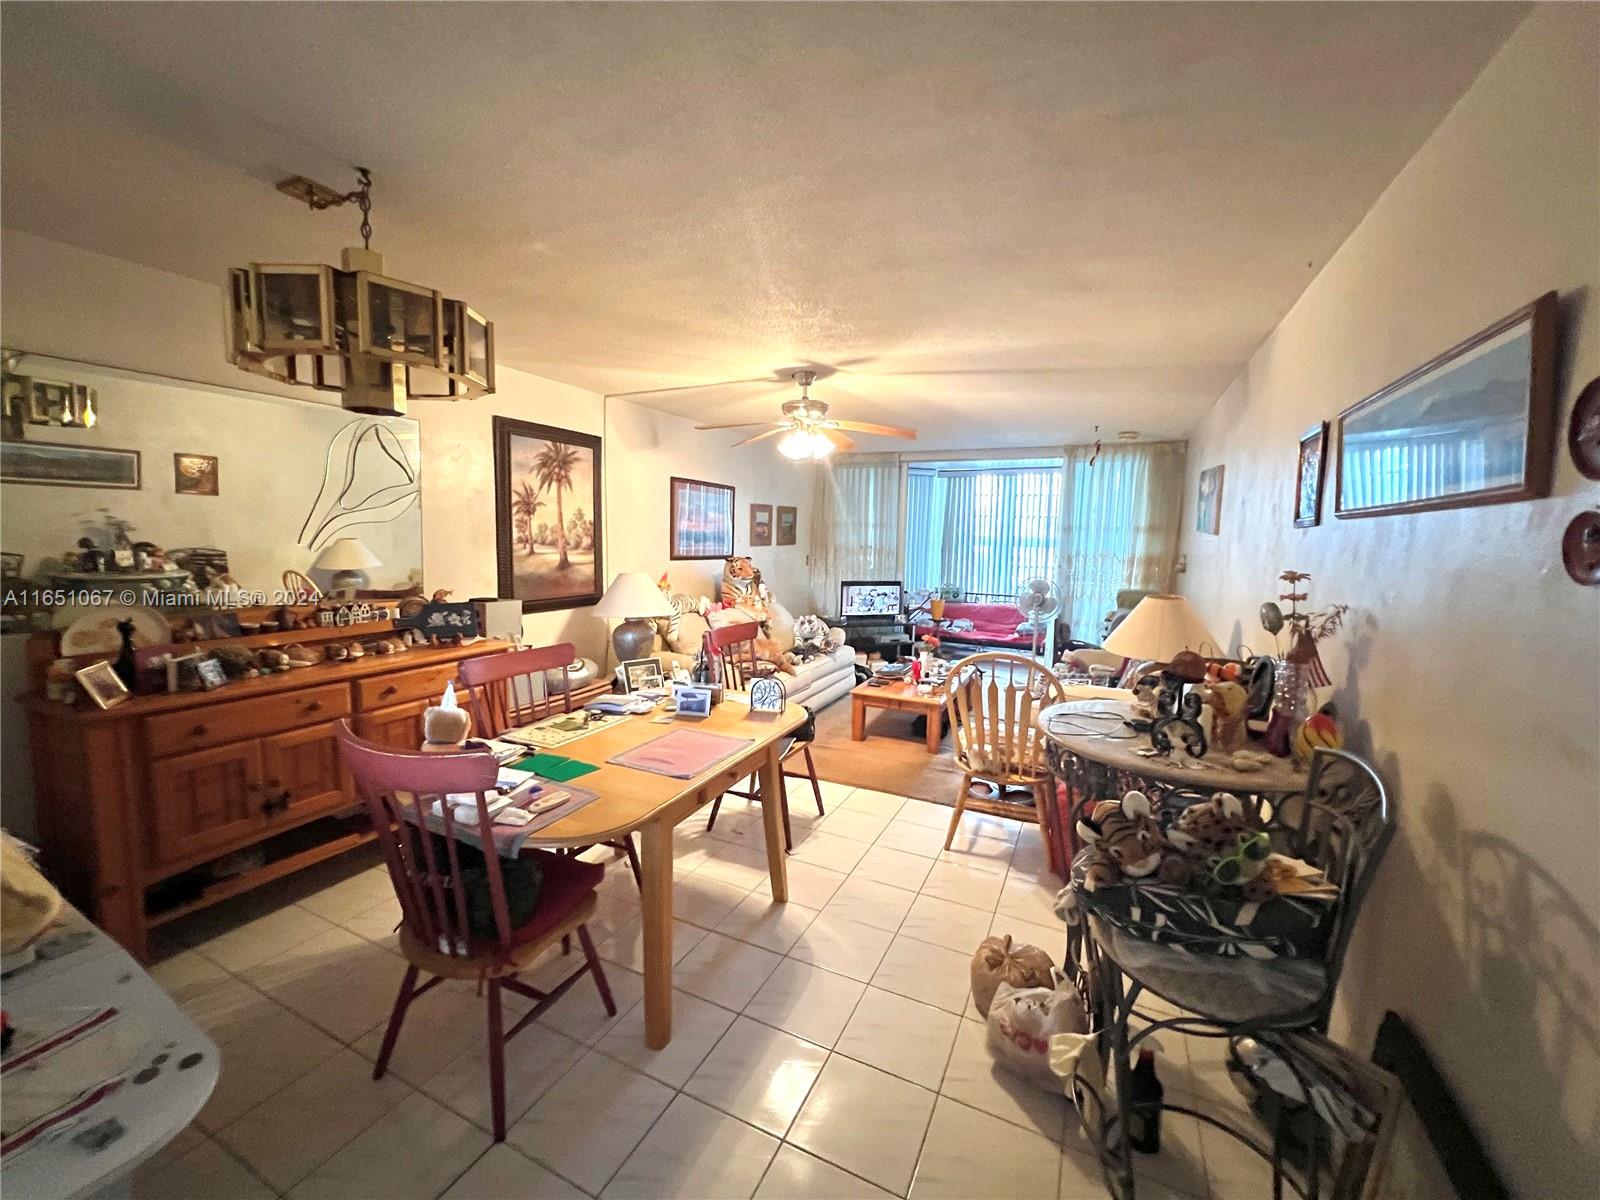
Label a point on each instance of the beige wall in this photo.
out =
(1472, 663)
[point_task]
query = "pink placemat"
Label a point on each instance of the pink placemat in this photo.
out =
(682, 753)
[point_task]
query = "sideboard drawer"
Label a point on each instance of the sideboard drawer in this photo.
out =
(425, 683)
(212, 725)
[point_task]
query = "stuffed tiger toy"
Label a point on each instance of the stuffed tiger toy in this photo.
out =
(1126, 843)
(680, 603)
(742, 589)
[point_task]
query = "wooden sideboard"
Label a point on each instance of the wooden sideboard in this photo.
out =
(133, 802)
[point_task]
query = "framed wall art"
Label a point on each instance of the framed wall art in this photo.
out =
(788, 524)
(1308, 476)
(1208, 501)
(194, 474)
(701, 519)
(69, 466)
(547, 515)
(761, 524)
(1474, 425)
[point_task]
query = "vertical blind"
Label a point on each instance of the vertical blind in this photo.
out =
(1000, 528)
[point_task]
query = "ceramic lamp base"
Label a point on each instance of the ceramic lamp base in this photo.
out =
(347, 583)
(634, 638)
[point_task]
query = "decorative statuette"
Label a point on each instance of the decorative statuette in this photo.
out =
(767, 695)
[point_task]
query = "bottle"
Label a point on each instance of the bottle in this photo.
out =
(1144, 1105)
(126, 666)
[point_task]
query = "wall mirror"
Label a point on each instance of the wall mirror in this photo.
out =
(1472, 426)
(269, 481)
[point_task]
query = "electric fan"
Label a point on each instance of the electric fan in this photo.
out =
(1038, 603)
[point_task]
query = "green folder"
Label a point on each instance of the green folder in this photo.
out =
(553, 767)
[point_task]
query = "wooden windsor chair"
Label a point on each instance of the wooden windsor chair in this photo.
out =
(512, 689)
(733, 649)
(454, 898)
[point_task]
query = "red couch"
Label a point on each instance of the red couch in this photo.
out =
(992, 625)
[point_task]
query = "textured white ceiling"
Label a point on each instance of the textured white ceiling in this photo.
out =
(1013, 221)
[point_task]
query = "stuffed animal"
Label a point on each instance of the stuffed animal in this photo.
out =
(810, 640)
(1217, 831)
(1318, 730)
(742, 589)
(1228, 701)
(682, 604)
(1126, 841)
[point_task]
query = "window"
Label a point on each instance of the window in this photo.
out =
(984, 528)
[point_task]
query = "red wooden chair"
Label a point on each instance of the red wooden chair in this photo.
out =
(510, 690)
(427, 873)
(732, 652)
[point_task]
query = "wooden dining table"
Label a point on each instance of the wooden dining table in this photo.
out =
(637, 801)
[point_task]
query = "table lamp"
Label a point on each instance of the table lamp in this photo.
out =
(348, 559)
(634, 598)
(1167, 630)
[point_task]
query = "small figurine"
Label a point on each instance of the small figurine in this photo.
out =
(1228, 702)
(1320, 729)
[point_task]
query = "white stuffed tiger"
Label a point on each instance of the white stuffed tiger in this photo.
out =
(681, 603)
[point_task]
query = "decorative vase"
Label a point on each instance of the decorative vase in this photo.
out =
(1290, 694)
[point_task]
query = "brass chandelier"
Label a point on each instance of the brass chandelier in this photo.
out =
(377, 341)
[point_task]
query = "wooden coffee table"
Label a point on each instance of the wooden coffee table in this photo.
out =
(902, 696)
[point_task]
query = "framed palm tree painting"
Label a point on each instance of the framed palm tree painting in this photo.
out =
(547, 515)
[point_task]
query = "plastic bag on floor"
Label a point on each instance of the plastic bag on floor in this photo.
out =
(997, 961)
(1023, 1020)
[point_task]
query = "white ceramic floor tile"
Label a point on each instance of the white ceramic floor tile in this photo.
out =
(994, 853)
(854, 824)
(209, 1172)
(347, 1007)
(904, 1037)
(807, 1001)
(796, 1175)
(969, 1153)
(824, 849)
(350, 897)
(735, 863)
(875, 804)
(696, 1026)
(378, 924)
(945, 923)
(625, 948)
(758, 1074)
(911, 837)
(1028, 900)
(535, 1060)
(926, 814)
(976, 825)
(810, 885)
(703, 901)
(288, 1136)
(843, 946)
(264, 938)
(505, 1174)
(1051, 937)
(694, 1150)
(230, 1009)
(418, 1149)
(186, 975)
(761, 922)
(324, 959)
(925, 972)
(866, 1121)
(283, 1049)
(868, 902)
(724, 971)
(447, 1023)
(580, 1014)
(894, 867)
(588, 1124)
(967, 882)
(976, 1080)
(833, 794)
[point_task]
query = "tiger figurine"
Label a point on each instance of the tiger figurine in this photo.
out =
(1126, 843)
(742, 589)
(680, 603)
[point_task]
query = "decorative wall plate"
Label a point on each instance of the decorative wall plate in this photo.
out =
(1580, 548)
(1583, 431)
(95, 630)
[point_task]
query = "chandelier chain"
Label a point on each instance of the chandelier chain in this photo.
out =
(364, 198)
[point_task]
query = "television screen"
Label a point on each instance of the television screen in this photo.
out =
(870, 598)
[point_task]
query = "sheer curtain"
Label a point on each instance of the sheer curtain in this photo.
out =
(1119, 527)
(856, 531)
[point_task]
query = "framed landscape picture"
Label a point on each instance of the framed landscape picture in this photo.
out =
(701, 519)
(1475, 425)
(69, 466)
(761, 524)
(1208, 502)
(788, 524)
(1308, 476)
(547, 515)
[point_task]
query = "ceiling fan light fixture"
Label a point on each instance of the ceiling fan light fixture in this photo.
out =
(801, 444)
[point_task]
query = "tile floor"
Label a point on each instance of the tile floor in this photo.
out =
(822, 1049)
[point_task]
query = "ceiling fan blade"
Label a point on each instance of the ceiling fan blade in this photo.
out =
(772, 384)
(840, 442)
(746, 425)
(784, 428)
(881, 430)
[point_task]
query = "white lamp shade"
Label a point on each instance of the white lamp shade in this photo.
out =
(1158, 629)
(633, 594)
(346, 554)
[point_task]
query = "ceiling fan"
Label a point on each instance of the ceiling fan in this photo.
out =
(806, 431)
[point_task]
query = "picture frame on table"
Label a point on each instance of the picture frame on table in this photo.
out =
(700, 516)
(761, 524)
(640, 673)
(788, 525)
(1473, 425)
(547, 491)
(1310, 467)
(102, 684)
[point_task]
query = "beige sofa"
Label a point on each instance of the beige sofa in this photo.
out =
(815, 684)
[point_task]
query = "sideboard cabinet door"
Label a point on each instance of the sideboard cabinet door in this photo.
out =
(399, 725)
(204, 801)
(301, 774)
